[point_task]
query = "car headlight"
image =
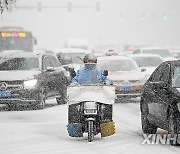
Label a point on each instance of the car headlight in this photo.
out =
(29, 84)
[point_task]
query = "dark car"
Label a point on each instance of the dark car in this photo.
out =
(160, 100)
(31, 78)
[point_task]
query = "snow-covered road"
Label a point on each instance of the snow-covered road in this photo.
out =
(44, 132)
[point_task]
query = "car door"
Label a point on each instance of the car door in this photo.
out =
(160, 97)
(49, 76)
(58, 74)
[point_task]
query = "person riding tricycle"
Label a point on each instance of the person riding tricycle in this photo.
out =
(91, 98)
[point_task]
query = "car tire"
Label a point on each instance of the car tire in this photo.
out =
(173, 128)
(61, 101)
(12, 107)
(41, 101)
(63, 98)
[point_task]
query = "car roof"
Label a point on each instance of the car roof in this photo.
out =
(144, 55)
(152, 48)
(114, 58)
(174, 50)
(23, 54)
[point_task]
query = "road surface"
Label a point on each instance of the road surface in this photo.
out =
(44, 132)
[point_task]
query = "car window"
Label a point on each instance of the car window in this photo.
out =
(54, 62)
(162, 73)
(46, 63)
(19, 64)
(176, 77)
(50, 61)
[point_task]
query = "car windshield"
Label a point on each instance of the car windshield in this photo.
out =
(161, 52)
(148, 61)
(76, 58)
(19, 64)
(118, 65)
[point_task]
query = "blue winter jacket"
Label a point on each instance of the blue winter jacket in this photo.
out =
(89, 76)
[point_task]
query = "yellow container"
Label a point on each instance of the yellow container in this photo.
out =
(107, 128)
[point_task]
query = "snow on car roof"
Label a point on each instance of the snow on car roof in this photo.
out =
(153, 47)
(113, 58)
(15, 53)
(144, 55)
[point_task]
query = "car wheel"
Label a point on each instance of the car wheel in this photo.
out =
(173, 130)
(147, 127)
(12, 107)
(41, 101)
(63, 98)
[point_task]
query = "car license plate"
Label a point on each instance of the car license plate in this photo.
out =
(126, 88)
(5, 94)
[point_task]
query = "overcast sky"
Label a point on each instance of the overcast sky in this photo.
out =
(117, 21)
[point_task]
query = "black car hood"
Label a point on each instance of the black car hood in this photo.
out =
(17, 75)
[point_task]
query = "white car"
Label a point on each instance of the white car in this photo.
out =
(161, 51)
(147, 62)
(125, 75)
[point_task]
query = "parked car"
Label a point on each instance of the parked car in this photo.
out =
(125, 75)
(29, 78)
(161, 51)
(147, 62)
(160, 100)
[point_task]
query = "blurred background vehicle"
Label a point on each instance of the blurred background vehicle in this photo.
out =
(147, 62)
(125, 75)
(16, 38)
(161, 51)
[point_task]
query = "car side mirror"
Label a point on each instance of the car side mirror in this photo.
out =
(105, 73)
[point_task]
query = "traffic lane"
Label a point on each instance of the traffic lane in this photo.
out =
(44, 131)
